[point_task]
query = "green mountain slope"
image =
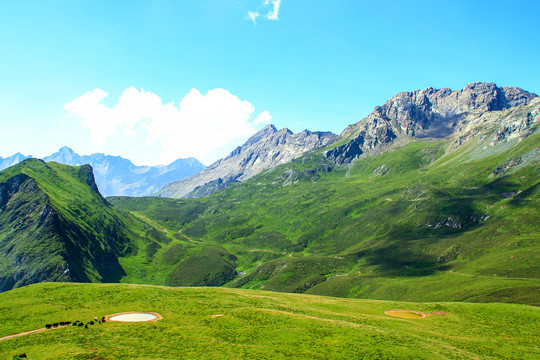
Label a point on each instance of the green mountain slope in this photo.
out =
(425, 220)
(55, 226)
(216, 323)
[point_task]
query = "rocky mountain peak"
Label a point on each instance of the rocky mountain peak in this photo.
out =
(264, 132)
(431, 112)
(66, 150)
(267, 148)
(65, 155)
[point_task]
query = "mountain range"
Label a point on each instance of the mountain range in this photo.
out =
(434, 186)
(430, 113)
(119, 176)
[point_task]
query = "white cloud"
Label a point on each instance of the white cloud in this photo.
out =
(273, 14)
(263, 118)
(197, 126)
(273, 11)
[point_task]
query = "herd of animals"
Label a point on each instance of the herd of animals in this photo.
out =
(76, 323)
(67, 323)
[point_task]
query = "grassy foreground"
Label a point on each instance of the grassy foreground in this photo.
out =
(256, 325)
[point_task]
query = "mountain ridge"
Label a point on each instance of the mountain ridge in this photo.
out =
(265, 149)
(56, 226)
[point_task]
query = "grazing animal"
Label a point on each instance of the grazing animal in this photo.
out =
(103, 319)
(55, 325)
(22, 356)
(86, 326)
(48, 326)
(95, 318)
(80, 324)
(91, 323)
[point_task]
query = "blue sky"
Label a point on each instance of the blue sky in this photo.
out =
(157, 80)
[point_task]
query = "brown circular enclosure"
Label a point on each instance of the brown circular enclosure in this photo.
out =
(406, 314)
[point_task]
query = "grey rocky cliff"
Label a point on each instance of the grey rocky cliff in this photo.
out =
(266, 149)
(434, 113)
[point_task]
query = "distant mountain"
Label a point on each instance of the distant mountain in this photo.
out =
(118, 176)
(429, 113)
(266, 149)
(12, 160)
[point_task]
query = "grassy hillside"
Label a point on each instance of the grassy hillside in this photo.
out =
(391, 226)
(218, 323)
(55, 226)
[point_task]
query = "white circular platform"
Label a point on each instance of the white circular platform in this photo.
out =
(134, 317)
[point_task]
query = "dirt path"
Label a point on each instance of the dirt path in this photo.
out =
(25, 333)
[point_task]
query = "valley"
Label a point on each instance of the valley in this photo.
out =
(304, 251)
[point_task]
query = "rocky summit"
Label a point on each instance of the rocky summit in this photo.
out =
(429, 113)
(266, 149)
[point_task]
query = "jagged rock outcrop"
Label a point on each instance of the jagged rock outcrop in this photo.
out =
(496, 127)
(435, 113)
(266, 149)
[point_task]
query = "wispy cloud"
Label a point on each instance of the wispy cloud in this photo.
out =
(253, 15)
(269, 7)
(198, 126)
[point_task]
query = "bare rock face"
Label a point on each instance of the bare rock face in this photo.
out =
(266, 149)
(435, 113)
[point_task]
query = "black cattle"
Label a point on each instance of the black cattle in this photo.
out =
(48, 326)
(80, 324)
(103, 319)
(22, 356)
(91, 323)
(86, 326)
(55, 325)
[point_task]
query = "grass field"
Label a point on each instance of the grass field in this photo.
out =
(257, 325)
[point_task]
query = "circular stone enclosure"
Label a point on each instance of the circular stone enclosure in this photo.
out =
(134, 317)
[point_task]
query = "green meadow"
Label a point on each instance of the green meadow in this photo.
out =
(221, 323)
